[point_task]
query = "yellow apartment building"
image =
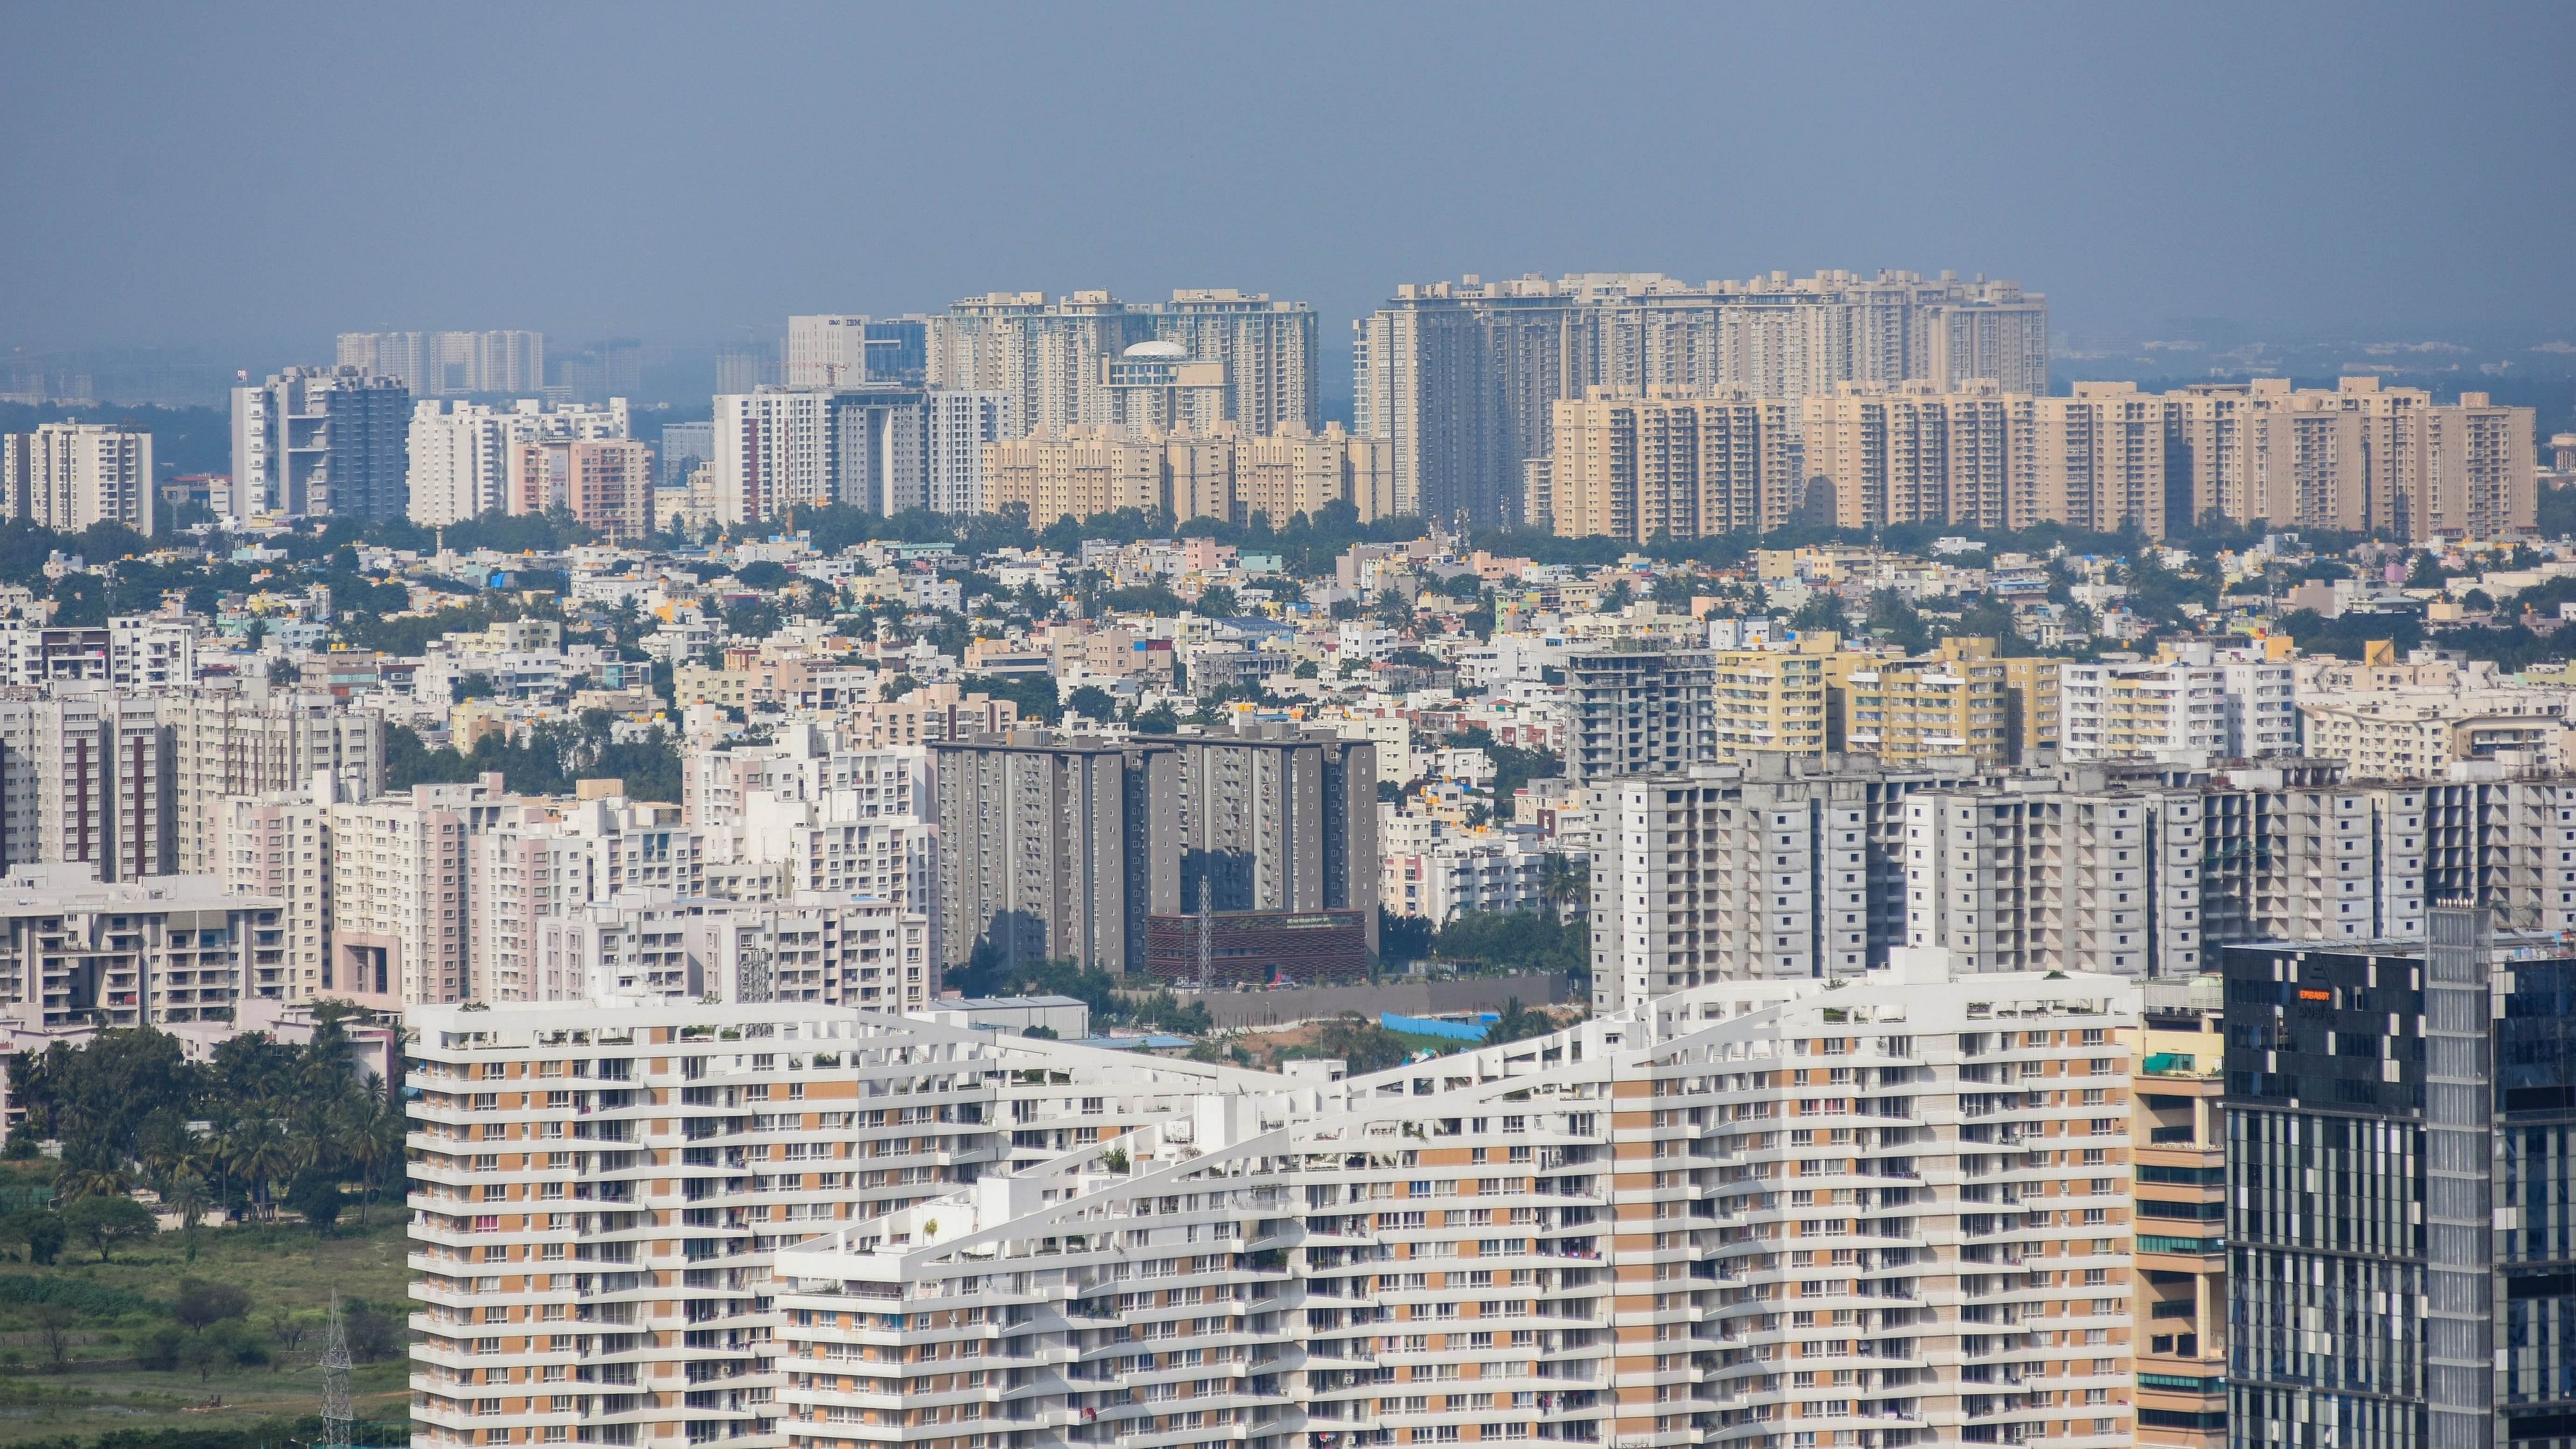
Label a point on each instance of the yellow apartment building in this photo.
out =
(2178, 1209)
(1773, 701)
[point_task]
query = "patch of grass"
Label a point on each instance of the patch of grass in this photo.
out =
(118, 1306)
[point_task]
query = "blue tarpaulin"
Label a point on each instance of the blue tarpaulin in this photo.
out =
(1433, 1026)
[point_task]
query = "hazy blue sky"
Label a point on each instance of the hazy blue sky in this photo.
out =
(229, 174)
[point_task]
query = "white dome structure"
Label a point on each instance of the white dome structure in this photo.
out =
(1157, 352)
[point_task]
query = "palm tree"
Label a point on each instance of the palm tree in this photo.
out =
(260, 1154)
(188, 1197)
(371, 1138)
(99, 1179)
(1564, 882)
(314, 1143)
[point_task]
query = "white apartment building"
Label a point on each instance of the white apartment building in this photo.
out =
(1748, 1214)
(846, 350)
(832, 844)
(133, 651)
(827, 350)
(81, 782)
(154, 653)
(2166, 709)
(778, 448)
(319, 441)
(2419, 733)
(460, 452)
(375, 897)
(805, 761)
(2262, 708)
(444, 364)
(957, 424)
(130, 954)
(653, 946)
(1768, 869)
(599, 1191)
(1442, 877)
(67, 476)
(250, 742)
(539, 860)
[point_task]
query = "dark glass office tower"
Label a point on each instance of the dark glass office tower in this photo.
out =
(2401, 1236)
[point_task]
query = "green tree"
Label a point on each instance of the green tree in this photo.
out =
(39, 1230)
(1516, 1022)
(1361, 1046)
(200, 1304)
(1564, 882)
(1822, 611)
(104, 1222)
(1216, 601)
(317, 1196)
(372, 1140)
(1891, 614)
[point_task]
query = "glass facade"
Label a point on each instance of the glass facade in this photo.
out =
(2402, 1264)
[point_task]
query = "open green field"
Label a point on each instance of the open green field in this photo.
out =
(121, 1311)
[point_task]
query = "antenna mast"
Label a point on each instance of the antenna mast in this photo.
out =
(338, 1419)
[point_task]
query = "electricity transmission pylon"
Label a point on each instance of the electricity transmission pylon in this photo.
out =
(338, 1419)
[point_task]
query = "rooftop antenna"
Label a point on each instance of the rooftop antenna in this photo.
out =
(338, 1419)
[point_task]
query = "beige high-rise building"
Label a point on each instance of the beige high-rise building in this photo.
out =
(1462, 376)
(1882, 453)
(2105, 458)
(2094, 461)
(1904, 710)
(376, 906)
(1225, 474)
(1911, 453)
(1670, 465)
(1057, 360)
(599, 1191)
(1291, 471)
(67, 476)
(1074, 473)
(2360, 457)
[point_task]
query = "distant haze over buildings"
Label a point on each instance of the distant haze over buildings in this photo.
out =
(1320, 156)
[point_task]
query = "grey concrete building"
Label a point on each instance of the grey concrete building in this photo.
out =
(1633, 709)
(321, 441)
(1775, 867)
(1276, 818)
(1054, 848)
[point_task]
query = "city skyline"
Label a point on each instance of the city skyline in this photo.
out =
(1408, 183)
